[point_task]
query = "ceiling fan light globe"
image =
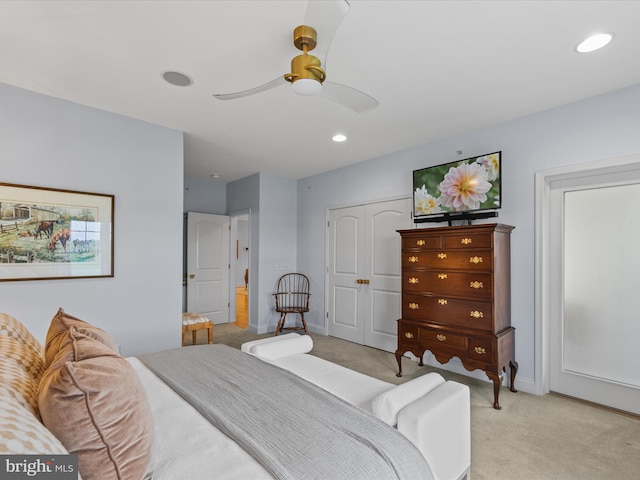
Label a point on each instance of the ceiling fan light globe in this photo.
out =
(306, 86)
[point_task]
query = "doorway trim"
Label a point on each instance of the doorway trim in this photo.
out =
(543, 186)
(233, 236)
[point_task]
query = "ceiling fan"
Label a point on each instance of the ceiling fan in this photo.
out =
(307, 76)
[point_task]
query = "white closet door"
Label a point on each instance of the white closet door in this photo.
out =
(382, 267)
(364, 284)
(346, 258)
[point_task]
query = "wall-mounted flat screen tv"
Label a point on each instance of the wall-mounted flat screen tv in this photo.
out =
(463, 186)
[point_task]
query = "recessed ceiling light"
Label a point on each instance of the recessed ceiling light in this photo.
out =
(594, 42)
(339, 137)
(215, 175)
(176, 78)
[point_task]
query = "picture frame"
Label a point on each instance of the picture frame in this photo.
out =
(50, 233)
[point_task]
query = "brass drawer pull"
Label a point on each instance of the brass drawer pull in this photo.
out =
(475, 260)
(421, 243)
(441, 338)
(442, 276)
(413, 280)
(414, 306)
(480, 350)
(465, 241)
(476, 314)
(413, 259)
(476, 285)
(408, 335)
(442, 256)
(442, 301)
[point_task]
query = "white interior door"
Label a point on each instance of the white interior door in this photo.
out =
(364, 280)
(593, 287)
(208, 265)
(383, 294)
(346, 258)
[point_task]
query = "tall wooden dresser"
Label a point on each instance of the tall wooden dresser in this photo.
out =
(456, 298)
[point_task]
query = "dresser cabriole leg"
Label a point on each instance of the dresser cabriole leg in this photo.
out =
(513, 365)
(399, 360)
(497, 381)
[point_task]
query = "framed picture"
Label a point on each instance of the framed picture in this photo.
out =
(48, 233)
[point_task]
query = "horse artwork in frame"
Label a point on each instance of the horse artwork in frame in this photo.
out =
(49, 233)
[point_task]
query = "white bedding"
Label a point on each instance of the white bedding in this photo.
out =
(182, 433)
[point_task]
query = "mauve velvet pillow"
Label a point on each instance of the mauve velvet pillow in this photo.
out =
(60, 323)
(90, 398)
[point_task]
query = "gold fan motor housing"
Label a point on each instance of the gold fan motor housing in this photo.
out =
(305, 65)
(305, 35)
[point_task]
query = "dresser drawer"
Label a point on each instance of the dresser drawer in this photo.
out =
(480, 349)
(424, 242)
(467, 241)
(407, 335)
(436, 340)
(447, 311)
(457, 284)
(472, 260)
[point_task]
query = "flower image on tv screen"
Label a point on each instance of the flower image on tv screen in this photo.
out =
(468, 185)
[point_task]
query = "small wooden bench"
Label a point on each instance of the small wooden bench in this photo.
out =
(192, 322)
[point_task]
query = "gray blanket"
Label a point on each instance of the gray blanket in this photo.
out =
(295, 429)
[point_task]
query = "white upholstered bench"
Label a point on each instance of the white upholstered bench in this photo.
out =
(433, 413)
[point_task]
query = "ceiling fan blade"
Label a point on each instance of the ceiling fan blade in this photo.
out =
(325, 17)
(349, 97)
(252, 91)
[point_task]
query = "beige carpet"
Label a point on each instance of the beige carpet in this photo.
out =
(531, 438)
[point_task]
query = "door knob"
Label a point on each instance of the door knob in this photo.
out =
(192, 276)
(366, 281)
(360, 281)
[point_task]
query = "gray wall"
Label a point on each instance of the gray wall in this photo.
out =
(277, 242)
(49, 142)
(271, 201)
(599, 128)
(205, 196)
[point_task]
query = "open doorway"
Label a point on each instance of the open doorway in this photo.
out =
(240, 268)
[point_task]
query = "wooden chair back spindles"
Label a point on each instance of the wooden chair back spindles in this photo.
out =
(292, 296)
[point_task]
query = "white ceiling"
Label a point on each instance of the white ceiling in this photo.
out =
(438, 69)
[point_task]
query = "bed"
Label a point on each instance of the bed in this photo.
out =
(169, 415)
